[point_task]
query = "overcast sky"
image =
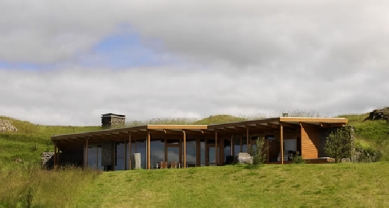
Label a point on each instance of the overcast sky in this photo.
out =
(68, 62)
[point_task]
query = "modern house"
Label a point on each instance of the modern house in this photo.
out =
(161, 146)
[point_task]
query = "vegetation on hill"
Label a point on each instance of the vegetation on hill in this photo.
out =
(27, 144)
(370, 135)
(218, 119)
(330, 185)
(307, 185)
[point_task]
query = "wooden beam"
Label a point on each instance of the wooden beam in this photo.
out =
(265, 127)
(314, 120)
(272, 125)
(328, 125)
(310, 125)
(289, 125)
(184, 138)
(55, 155)
(168, 131)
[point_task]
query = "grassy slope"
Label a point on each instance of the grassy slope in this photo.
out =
(370, 134)
(30, 141)
(330, 185)
(272, 185)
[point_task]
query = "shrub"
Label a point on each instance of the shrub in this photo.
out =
(258, 152)
(340, 143)
(298, 159)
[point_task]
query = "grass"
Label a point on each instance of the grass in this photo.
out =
(30, 186)
(370, 134)
(30, 141)
(308, 185)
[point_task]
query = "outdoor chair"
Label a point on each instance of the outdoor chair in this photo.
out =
(174, 165)
(163, 165)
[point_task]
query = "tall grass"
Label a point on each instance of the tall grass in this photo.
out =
(29, 186)
(295, 185)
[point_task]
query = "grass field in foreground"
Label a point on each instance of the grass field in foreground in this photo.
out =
(303, 185)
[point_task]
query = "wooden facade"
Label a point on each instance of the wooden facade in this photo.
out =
(195, 145)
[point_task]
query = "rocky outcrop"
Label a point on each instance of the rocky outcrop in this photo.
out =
(6, 126)
(379, 114)
(47, 160)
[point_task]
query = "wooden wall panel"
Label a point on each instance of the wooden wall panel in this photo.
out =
(309, 141)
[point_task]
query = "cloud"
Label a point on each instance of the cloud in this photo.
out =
(67, 62)
(78, 97)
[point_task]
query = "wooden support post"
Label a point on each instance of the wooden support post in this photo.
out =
(55, 155)
(148, 150)
(129, 151)
(184, 138)
(216, 149)
(282, 143)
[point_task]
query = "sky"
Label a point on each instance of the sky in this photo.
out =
(68, 62)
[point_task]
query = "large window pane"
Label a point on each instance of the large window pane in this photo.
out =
(157, 152)
(191, 152)
(120, 154)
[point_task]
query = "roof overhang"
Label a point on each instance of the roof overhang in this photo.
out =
(267, 125)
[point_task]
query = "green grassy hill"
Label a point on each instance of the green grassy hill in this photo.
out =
(370, 135)
(304, 185)
(30, 141)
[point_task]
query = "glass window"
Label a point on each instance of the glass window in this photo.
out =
(191, 152)
(120, 155)
(157, 152)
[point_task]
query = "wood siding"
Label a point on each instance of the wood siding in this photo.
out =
(309, 141)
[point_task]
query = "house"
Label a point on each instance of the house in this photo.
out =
(159, 146)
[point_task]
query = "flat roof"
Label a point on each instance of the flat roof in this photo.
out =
(259, 124)
(112, 115)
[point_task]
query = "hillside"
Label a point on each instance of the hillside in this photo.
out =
(330, 185)
(31, 140)
(306, 185)
(370, 134)
(27, 144)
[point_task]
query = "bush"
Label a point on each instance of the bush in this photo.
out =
(298, 159)
(340, 143)
(258, 152)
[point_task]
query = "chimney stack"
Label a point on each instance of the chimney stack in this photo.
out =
(110, 120)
